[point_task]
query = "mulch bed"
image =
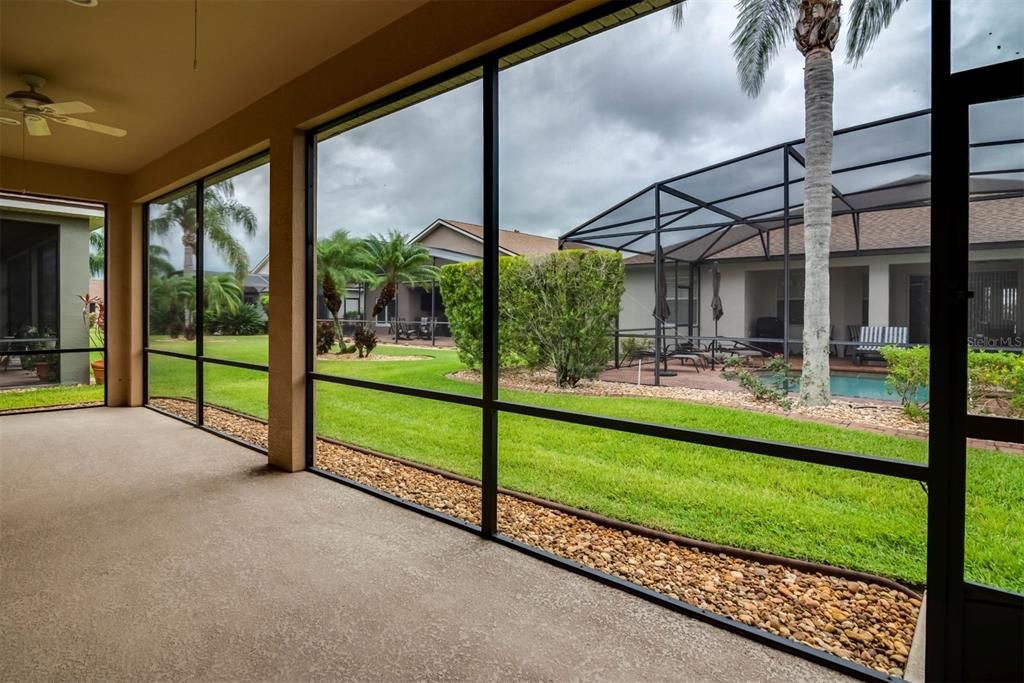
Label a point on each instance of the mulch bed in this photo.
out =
(869, 623)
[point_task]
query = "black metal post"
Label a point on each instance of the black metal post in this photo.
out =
(947, 432)
(658, 266)
(489, 465)
(689, 302)
(617, 324)
(145, 300)
(311, 300)
(785, 256)
(200, 298)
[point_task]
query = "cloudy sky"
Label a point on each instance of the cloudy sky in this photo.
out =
(590, 124)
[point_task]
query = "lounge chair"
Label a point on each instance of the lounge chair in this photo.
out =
(873, 337)
(686, 353)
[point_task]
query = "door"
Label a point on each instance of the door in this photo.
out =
(920, 309)
(975, 616)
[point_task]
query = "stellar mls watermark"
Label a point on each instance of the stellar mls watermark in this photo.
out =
(984, 342)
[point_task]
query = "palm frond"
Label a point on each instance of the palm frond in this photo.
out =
(678, 14)
(867, 19)
(762, 27)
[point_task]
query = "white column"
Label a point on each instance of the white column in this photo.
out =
(878, 294)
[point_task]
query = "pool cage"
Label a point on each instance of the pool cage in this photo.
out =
(710, 213)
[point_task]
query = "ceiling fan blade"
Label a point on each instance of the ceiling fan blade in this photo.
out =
(89, 125)
(36, 125)
(65, 108)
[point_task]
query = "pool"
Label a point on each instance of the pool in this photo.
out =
(857, 385)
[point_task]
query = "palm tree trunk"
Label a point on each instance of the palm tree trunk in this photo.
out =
(188, 241)
(818, 93)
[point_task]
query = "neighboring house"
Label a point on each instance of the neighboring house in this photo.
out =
(257, 283)
(44, 267)
(450, 241)
(886, 282)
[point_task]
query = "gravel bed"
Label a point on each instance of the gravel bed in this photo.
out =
(864, 415)
(247, 429)
(868, 623)
(369, 359)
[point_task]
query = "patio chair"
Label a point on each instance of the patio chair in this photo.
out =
(685, 353)
(873, 337)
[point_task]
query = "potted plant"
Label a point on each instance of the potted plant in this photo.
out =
(44, 364)
(94, 317)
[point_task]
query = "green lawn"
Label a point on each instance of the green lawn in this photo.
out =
(836, 516)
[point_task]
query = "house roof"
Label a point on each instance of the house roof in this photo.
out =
(512, 242)
(992, 222)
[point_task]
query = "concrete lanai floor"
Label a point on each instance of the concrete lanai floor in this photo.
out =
(137, 547)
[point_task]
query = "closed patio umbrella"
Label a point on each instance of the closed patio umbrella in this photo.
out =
(716, 306)
(661, 309)
(716, 300)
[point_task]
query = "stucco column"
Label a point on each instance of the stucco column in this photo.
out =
(287, 400)
(878, 294)
(124, 304)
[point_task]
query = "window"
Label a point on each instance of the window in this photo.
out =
(52, 302)
(208, 302)
(796, 297)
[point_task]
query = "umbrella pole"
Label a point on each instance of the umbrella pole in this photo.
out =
(660, 297)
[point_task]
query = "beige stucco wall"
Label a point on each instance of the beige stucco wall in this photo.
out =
(748, 290)
(444, 238)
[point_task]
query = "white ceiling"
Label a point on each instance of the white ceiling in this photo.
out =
(132, 61)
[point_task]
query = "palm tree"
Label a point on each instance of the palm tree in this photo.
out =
(221, 293)
(762, 27)
(221, 212)
(96, 246)
(341, 260)
(398, 262)
(159, 262)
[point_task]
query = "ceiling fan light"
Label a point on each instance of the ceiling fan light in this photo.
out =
(85, 3)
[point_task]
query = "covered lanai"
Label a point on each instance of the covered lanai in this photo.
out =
(751, 207)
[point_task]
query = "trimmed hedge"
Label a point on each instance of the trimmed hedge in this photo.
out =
(555, 311)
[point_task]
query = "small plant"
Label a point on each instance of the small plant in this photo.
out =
(908, 375)
(326, 336)
(762, 391)
(94, 317)
(365, 340)
(636, 345)
(732, 366)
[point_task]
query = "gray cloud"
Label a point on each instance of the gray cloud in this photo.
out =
(592, 123)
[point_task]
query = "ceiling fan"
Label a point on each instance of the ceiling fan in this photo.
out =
(37, 109)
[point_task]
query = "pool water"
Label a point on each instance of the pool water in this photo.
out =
(858, 385)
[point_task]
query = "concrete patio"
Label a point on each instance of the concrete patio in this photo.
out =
(136, 547)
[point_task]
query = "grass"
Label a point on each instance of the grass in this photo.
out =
(845, 518)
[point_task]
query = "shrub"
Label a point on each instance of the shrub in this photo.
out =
(557, 310)
(908, 374)
(989, 372)
(326, 336)
(569, 302)
(462, 289)
(244, 321)
(365, 339)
